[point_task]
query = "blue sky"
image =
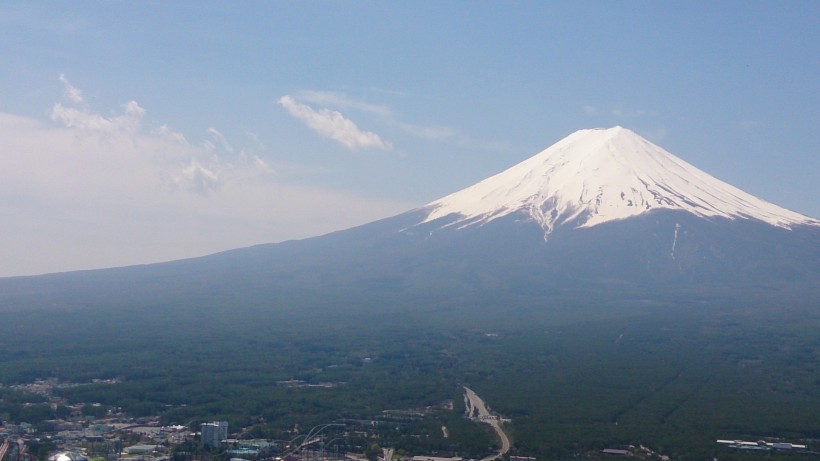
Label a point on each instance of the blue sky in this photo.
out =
(146, 131)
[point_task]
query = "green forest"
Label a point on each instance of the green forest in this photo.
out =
(572, 379)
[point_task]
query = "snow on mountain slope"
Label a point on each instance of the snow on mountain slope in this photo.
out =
(600, 175)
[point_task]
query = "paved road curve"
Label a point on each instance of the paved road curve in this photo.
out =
(477, 409)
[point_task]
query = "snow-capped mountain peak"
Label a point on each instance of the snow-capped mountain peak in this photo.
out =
(600, 175)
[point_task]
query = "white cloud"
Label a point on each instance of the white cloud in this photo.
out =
(197, 178)
(84, 190)
(166, 132)
(73, 94)
(72, 117)
(332, 124)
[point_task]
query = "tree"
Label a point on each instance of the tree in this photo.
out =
(373, 451)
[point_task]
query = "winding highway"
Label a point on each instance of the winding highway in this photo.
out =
(476, 408)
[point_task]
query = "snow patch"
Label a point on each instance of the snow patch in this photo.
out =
(674, 241)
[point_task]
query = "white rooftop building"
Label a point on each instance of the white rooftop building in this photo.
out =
(212, 434)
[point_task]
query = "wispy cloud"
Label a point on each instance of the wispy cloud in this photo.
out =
(333, 125)
(72, 93)
(166, 132)
(220, 138)
(383, 113)
(342, 101)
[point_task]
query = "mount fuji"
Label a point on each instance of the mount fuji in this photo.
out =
(602, 214)
(605, 209)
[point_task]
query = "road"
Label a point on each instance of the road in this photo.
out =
(477, 409)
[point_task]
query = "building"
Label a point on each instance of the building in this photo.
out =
(140, 449)
(434, 458)
(761, 445)
(213, 433)
(68, 456)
